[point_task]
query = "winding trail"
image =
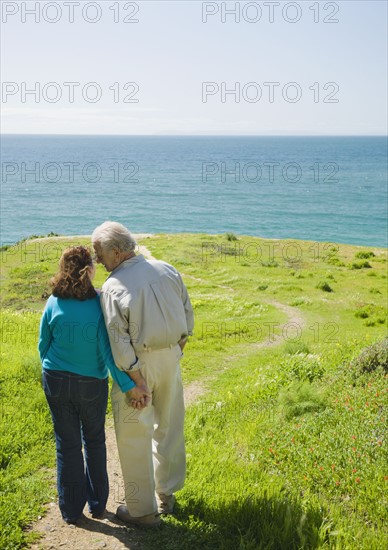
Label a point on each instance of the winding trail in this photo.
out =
(110, 533)
(196, 389)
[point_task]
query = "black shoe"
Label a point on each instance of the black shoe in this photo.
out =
(99, 514)
(79, 521)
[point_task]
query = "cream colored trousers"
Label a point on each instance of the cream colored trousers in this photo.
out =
(151, 442)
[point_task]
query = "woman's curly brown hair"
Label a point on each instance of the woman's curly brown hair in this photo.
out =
(72, 279)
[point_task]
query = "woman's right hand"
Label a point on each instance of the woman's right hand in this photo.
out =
(139, 396)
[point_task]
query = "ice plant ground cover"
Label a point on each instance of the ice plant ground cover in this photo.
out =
(287, 440)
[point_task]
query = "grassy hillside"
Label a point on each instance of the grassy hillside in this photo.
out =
(288, 447)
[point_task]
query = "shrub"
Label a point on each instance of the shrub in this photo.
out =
(231, 237)
(335, 261)
(374, 291)
(377, 314)
(270, 263)
(365, 254)
(302, 368)
(362, 313)
(360, 265)
(324, 285)
(372, 358)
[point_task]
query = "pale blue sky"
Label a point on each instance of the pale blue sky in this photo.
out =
(170, 52)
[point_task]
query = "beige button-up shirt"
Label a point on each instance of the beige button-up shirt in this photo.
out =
(146, 306)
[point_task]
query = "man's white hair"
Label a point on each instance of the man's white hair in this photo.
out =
(114, 235)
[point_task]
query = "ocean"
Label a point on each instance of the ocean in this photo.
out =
(327, 189)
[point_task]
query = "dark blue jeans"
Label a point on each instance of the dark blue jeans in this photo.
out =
(78, 407)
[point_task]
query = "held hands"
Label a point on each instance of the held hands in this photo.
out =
(139, 396)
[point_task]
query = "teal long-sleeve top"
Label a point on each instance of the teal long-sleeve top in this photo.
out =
(73, 338)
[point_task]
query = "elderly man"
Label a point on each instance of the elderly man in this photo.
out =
(149, 316)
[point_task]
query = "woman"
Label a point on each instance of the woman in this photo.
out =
(75, 354)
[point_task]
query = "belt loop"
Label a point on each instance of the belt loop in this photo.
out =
(149, 349)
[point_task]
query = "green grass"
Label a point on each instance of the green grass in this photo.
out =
(288, 447)
(26, 434)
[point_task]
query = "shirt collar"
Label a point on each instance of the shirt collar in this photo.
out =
(130, 262)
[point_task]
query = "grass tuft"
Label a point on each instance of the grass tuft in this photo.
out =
(293, 348)
(301, 399)
(324, 285)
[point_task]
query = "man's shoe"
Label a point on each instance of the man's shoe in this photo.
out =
(151, 520)
(166, 503)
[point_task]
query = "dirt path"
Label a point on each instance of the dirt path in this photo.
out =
(109, 533)
(197, 388)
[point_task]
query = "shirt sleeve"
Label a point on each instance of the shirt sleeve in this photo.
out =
(188, 307)
(117, 325)
(45, 336)
(121, 378)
